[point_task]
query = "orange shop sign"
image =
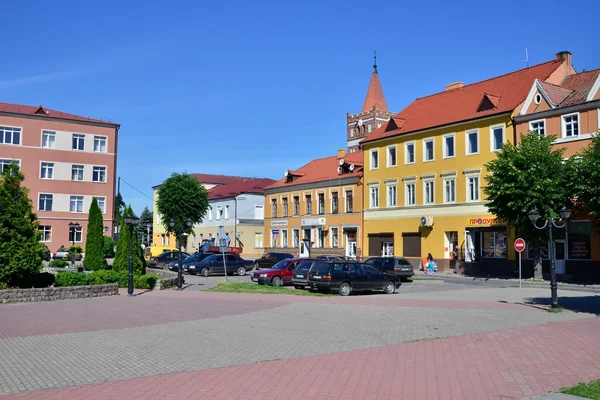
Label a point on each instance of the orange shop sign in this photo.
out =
(484, 221)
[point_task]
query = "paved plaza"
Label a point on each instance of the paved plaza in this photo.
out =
(431, 340)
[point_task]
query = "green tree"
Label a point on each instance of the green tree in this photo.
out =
(121, 261)
(109, 247)
(145, 218)
(119, 207)
(589, 172)
(20, 247)
(531, 175)
(94, 242)
(181, 198)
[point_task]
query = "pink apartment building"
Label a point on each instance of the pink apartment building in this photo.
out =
(67, 160)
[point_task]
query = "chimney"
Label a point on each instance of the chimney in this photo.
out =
(564, 56)
(341, 153)
(455, 85)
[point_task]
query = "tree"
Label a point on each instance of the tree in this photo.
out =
(109, 247)
(119, 207)
(145, 218)
(589, 172)
(180, 198)
(20, 247)
(94, 242)
(529, 176)
(121, 261)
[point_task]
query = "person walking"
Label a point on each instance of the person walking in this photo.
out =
(430, 264)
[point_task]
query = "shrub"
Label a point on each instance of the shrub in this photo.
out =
(104, 277)
(144, 281)
(94, 242)
(76, 256)
(71, 279)
(42, 280)
(109, 247)
(58, 264)
(75, 249)
(3, 285)
(45, 253)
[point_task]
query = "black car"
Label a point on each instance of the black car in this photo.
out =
(348, 277)
(301, 272)
(330, 257)
(213, 264)
(165, 258)
(397, 266)
(270, 259)
(174, 265)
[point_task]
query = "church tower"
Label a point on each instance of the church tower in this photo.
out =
(373, 115)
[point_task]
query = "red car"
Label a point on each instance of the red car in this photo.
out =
(278, 275)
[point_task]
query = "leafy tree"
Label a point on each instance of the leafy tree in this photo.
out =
(109, 247)
(20, 247)
(589, 172)
(119, 207)
(531, 175)
(145, 218)
(180, 198)
(121, 261)
(94, 242)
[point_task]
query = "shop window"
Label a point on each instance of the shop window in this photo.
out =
(495, 245)
(579, 243)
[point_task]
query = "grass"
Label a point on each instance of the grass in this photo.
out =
(424, 339)
(250, 287)
(555, 310)
(588, 390)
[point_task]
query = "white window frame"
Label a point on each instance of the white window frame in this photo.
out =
(373, 199)
(76, 198)
(103, 200)
(425, 141)
(49, 167)
(468, 189)
(392, 201)
(82, 172)
(467, 147)
(295, 235)
(284, 238)
(44, 232)
(334, 194)
(210, 213)
(563, 125)
(407, 197)
(4, 162)
(448, 179)
(388, 157)
(537, 121)
(445, 149)
(426, 182)
(227, 211)
(100, 139)
(414, 146)
(219, 209)
(49, 134)
(79, 137)
(98, 169)
(334, 238)
(374, 155)
(45, 201)
(12, 130)
(492, 138)
(346, 200)
(76, 232)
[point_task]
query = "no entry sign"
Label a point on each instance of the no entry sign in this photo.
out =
(519, 245)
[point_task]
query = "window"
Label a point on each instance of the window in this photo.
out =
(449, 146)
(78, 142)
(494, 245)
(284, 238)
(570, 125)
(351, 132)
(428, 193)
(334, 203)
(369, 128)
(321, 203)
(47, 171)
(391, 156)
(4, 163)
(274, 208)
(349, 202)
(45, 203)
(99, 174)
(497, 137)
(100, 144)
(449, 190)
(579, 246)
(209, 211)
(45, 233)
(296, 205)
(428, 154)
(75, 235)
(285, 207)
(410, 193)
(472, 188)
(321, 238)
(409, 153)
(308, 204)
(10, 135)
(296, 238)
(374, 159)
(391, 195)
(472, 142)
(77, 172)
(48, 139)
(76, 204)
(227, 212)
(539, 126)
(101, 203)
(219, 212)
(374, 196)
(334, 237)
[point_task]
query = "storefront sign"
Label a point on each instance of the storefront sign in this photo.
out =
(279, 223)
(313, 222)
(484, 221)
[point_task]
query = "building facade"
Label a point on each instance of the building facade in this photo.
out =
(67, 161)
(317, 209)
(569, 111)
(424, 171)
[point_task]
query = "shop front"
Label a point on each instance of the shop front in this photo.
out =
(486, 247)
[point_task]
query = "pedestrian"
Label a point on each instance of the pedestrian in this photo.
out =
(430, 264)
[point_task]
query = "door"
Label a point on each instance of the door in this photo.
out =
(351, 248)
(373, 279)
(559, 256)
(305, 248)
(357, 276)
(217, 265)
(469, 246)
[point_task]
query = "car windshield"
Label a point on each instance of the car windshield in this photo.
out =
(196, 257)
(320, 268)
(210, 258)
(281, 264)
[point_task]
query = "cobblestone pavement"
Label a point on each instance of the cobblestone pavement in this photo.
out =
(193, 344)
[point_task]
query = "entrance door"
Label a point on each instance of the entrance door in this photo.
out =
(559, 256)
(305, 248)
(351, 249)
(469, 246)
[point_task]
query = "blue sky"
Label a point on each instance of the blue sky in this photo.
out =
(255, 88)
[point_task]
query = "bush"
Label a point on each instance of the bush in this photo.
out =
(45, 253)
(3, 285)
(42, 280)
(109, 247)
(76, 256)
(104, 277)
(75, 249)
(144, 281)
(58, 264)
(71, 279)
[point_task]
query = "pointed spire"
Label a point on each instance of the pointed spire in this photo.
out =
(375, 96)
(375, 62)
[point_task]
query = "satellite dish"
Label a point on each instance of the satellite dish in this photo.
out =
(340, 170)
(351, 167)
(286, 173)
(342, 162)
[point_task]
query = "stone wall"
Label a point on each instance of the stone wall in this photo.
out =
(57, 293)
(166, 283)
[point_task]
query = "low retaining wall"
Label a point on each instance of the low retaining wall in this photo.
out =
(57, 293)
(166, 283)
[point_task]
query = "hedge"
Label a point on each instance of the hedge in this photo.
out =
(103, 277)
(58, 264)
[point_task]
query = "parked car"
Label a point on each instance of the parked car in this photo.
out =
(299, 279)
(192, 258)
(279, 275)
(60, 253)
(330, 257)
(154, 251)
(348, 277)
(397, 266)
(213, 264)
(164, 259)
(270, 259)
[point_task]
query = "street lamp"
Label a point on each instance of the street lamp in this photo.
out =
(179, 231)
(534, 216)
(132, 221)
(72, 229)
(148, 226)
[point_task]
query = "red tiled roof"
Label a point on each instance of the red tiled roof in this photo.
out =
(40, 110)
(557, 94)
(504, 92)
(220, 179)
(323, 169)
(580, 85)
(254, 185)
(375, 96)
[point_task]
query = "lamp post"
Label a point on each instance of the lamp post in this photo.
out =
(178, 232)
(148, 226)
(534, 216)
(72, 229)
(132, 221)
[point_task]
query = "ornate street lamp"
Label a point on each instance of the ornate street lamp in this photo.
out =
(178, 232)
(534, 216)
(148, 226)
(132, 221)
(72, 229)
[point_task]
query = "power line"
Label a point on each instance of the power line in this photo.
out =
(136, 189)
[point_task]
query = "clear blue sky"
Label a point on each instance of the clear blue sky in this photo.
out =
(255, 88)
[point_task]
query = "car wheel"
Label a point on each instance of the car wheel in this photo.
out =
(204, 272)
(241, 271)
(389, 287)
(277, 281)
(345, 289)
(298, 287)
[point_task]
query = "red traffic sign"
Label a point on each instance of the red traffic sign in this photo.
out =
(519, 245)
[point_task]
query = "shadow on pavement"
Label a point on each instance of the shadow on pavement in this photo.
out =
(583, 304)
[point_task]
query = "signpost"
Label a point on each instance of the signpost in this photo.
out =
(223, 244)
(519, 247)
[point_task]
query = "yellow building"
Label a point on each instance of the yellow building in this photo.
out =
(424, 172)
(317, 209)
